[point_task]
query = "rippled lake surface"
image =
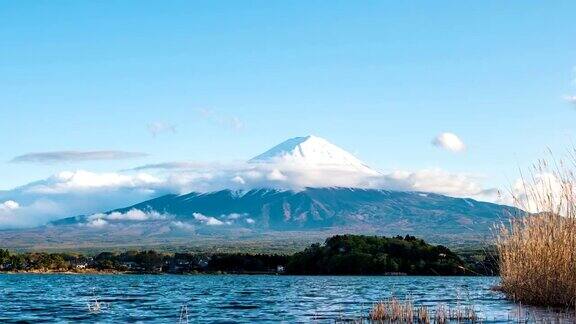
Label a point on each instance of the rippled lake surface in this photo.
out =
(232, 298)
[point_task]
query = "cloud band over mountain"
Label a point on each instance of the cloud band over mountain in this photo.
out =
(294, 165)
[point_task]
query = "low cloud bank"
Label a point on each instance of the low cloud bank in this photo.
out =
(99, 220)
(81, 192)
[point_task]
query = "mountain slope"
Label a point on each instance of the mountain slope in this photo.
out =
(324, 208)
(267, 220)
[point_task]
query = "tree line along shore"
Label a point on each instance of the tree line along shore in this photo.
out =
(339, 255)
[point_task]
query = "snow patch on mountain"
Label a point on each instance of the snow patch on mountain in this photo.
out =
(312, 152)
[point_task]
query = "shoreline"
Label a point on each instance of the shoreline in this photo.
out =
(98, 272)
(117, 272)
(66, 272)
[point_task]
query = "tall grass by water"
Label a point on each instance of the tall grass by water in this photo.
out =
(538, 251)
(394, 310)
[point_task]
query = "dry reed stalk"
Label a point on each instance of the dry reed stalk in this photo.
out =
(538, 251)
(393, 310)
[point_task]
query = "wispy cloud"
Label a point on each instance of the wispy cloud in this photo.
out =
(572, 98)
(230, 122)
(158, 127)
(72, 156)
(449, 141)
(177, 165)
(183, 225)
(85, 181)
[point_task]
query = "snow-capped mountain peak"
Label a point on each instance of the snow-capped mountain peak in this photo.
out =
(312, 151)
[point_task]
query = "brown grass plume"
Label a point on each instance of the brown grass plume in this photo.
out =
(538, 250)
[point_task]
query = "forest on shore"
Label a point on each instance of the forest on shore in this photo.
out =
(339, 255)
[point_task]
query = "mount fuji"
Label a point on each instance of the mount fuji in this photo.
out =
(266, 216)
(312, 152)
(311, 161)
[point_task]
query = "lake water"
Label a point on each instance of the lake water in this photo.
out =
(232, 298)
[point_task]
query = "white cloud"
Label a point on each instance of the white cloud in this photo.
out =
(183, 225)
(236, 124)
(158, 127)
(207, 220)
(250, 221)
(69, 156)
(80, 180)
(179, 165)
(239, 180)
(449, 141)
(98, 222)
(234, 216)
(276, 175)
(544, 191)
(231, 122)
(13, 214)
(131, 215)
(438, 181)
(72, 193)
(572, 98)
(9, 205)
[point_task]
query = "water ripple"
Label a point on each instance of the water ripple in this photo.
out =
(231, 298)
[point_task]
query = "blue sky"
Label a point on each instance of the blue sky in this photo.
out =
(378, 78)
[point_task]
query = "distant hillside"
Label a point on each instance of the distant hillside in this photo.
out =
(324, 208)
(267, 215)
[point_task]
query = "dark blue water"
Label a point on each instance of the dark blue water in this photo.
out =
(231, 298)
